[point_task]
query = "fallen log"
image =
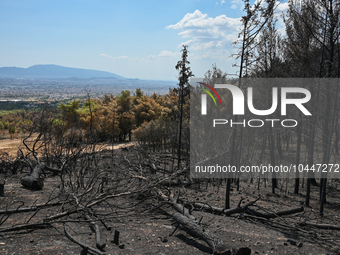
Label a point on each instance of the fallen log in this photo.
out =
(274, 215)
(214, 242)
(181, 209)
(95, 229)
(208, 208)
(246, 209)
(33, 180)
(176, 183)
(177, 206)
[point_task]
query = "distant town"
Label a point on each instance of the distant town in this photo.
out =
(45, 88)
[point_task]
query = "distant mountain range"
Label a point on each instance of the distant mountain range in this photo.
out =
(54, 72)
(59, 80)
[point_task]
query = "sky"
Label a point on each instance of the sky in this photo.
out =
(132, 38)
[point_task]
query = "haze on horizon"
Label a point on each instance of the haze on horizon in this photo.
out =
(134, 39)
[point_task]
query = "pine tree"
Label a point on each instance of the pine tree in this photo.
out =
(183, 91)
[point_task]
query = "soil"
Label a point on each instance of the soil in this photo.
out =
(146, 227)
(10, 146)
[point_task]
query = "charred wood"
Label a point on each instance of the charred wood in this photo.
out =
(33, 180)
(214, 242)
(95, 229)
(26, 226)
(84, 246)
(274, 215)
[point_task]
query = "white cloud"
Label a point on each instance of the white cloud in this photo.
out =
(200, 20)
(205, 32)
(204, 46)
(151, 57)
(165, 54)
(106, 55)
(120, 57)
(282, 7)
(237, 4)
(162, 55)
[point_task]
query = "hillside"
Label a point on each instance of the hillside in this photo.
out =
(53, 72)
(57, 81)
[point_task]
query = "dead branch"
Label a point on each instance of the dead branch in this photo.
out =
(227, 212)
(28, 209)
(80, 209)
(102, 221)
(321, 226)
(95, 229)
(104, 197)
(274, 215)
(55, 171)
(27, 226)
(84, 246)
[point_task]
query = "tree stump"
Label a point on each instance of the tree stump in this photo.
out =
(2, 187)
(33, 180)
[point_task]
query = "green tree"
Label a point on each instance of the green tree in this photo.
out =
(69, 113)
(125, 114)
(11, 131)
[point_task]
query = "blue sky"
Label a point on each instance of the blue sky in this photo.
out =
(136, 39)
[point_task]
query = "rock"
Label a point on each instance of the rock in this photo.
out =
(292, 242)
(164, 239)
(299, 244)
(244, 251)
(84, 251)
(121, 246)
(285, 244)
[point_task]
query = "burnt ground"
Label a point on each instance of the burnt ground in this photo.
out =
(145, 223)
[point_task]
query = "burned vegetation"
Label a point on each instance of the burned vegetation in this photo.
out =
(71, 189)
(68, 197)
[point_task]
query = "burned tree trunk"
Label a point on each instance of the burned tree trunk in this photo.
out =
(2, 187)
(33, 180)
(214, 242)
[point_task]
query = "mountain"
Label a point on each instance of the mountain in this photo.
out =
(53, 72)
